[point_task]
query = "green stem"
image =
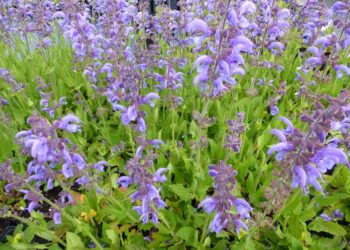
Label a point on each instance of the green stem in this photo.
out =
(28, 222)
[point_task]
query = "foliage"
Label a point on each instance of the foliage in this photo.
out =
(122, 130)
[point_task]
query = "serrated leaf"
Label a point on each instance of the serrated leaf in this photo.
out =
(111, 234)
(74, 242)
(330, 227)
(186, 233)
(184, 193)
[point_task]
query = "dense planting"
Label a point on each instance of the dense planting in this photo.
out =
(222, 125)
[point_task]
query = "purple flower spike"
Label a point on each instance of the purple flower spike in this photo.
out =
(147, 193)
(309, 154)
(222, 202)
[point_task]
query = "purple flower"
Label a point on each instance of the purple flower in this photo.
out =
(80, 49)
(342, 126)
(39, 149)
(313, 174)
(222, 202)
(340, 69)
(124, 181)
(218, 223)
(208, 204)
(340, 7)
(159, 175)
(276, 48)
(79, 161)
(274, 110)
(243, 43)
(149, 97)
(107, 68)
(243, 208)
(328, 157)
(100, 165)
(70, 123)
(314, 50)
(290, 127)
(147, 193)
(57, 218)
(299, 177)
(239, 225)
(232, 18)
(281, 148)
(32, 205)
(325, 217)
(247, 7)
(279, 134)
(313, 62)
(203, 60)
(83, 180)
(67, 170)
(198, 25)
(337, 214)
(150, 196)
(130, 114)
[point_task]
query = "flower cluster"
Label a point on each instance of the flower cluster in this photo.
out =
(27, 17)
(228, 45)
(230, 210)
(51, 154)
(147, 192)
(308, 155)
(236, 128)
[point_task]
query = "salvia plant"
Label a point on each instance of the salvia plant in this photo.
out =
(218, 124)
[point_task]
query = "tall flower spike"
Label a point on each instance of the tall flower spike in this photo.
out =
(308, 154)
(147, 193)
(230, 210)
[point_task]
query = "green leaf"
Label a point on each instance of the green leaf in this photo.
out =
(330, 227)
(111, 234)
(331, 199)
(186, 233)
(184, 193)
(74, 242)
